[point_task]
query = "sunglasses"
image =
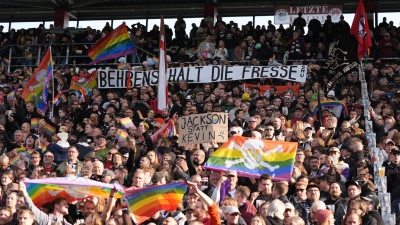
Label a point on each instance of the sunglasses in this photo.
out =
(297, 190)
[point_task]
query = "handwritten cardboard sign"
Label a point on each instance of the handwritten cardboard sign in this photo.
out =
(203, 128)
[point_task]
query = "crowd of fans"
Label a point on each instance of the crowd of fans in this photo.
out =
(332, 176)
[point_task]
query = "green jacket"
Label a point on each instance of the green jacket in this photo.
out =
(63, 167)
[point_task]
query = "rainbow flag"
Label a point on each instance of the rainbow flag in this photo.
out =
(34, 123)
(28, 56)
(145, 202)
(11, 96)
(42, 191)
(85, 81)
(126, 122)
(171, 129)
(121, 135)
(155, 59)
(28, 72)
(253, 158)
(14, 160)
(116, 44)
(1, 106)
(332, 104)
(21, 149)
(78, 52)
(122, 66)
(36, 90)
(49, 129)
(6, 61)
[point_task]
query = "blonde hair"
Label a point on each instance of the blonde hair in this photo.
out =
(231, 202)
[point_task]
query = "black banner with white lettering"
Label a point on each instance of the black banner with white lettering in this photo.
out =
(342, 60)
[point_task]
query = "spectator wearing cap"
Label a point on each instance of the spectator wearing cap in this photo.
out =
(232, 215)
(290, 211)
(60, 148)
(323, 184)
(107, 176)
(392, 169)
(297, 116)
(372, 202)
(100, 149)
(72, 164)
(181, 170)
(353, 191)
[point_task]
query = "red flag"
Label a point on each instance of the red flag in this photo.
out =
(360, 30)
(162, 95)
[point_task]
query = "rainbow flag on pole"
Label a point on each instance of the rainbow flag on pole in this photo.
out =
(253, 158)
(36, 90)
(126, 122)
(121, 135)
(34, 123)
(49, 129)
(145, 202)
(85, 81)
(116, 44)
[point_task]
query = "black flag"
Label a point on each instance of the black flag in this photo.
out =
(342, 60)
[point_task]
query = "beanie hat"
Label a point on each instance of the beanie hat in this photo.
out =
(322, 215)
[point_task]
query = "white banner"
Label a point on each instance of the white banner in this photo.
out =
(113, 78)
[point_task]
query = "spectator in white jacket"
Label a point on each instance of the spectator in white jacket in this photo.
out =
(221, 51)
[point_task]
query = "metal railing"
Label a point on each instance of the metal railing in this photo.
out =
(70, 56)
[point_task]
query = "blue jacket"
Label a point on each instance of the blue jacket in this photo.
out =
(59, 150)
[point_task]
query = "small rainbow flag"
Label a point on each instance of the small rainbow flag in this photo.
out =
(116, 44)
(7, 61)
(21, 149)
(11, 96)
(34, 123)
(171, 129)
(253, 158)
(121, 135)
(122, 66)
(28, 56)
(64, 98)
(28, 72)
(15, 159)
(78, 52)
(145, 202)
(49, 129)
(126, 122)
(1, 106)
(155, 59)
(332, 104)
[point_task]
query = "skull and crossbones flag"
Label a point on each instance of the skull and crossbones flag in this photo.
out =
(341, 61)
(360, 30)
(254, 157)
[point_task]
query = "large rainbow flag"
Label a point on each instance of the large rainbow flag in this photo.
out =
(46, 190)
(253, 158)
(332, 104)
(145, 202)
(116, 44)
(85, 81)
(36, 90)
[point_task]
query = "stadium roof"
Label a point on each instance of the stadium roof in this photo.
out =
(43, 10)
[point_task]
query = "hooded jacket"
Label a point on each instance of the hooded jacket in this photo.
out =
(59, 150)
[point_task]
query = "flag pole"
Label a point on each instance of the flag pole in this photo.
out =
(52, 85)
(319, 105)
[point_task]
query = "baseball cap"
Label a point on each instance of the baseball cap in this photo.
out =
(351, 182)
(395, 150)
(390, 141)
(298, 108)
(181, 156)
(234, 129)
(231, 173)
(101, 136)
(108, 173)
(200, 93)
(312, 185)
(307, 127)
(357, 106)
(289, 206)
(334, 149)
(372, 198)
(190, 207)
(231, 210)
